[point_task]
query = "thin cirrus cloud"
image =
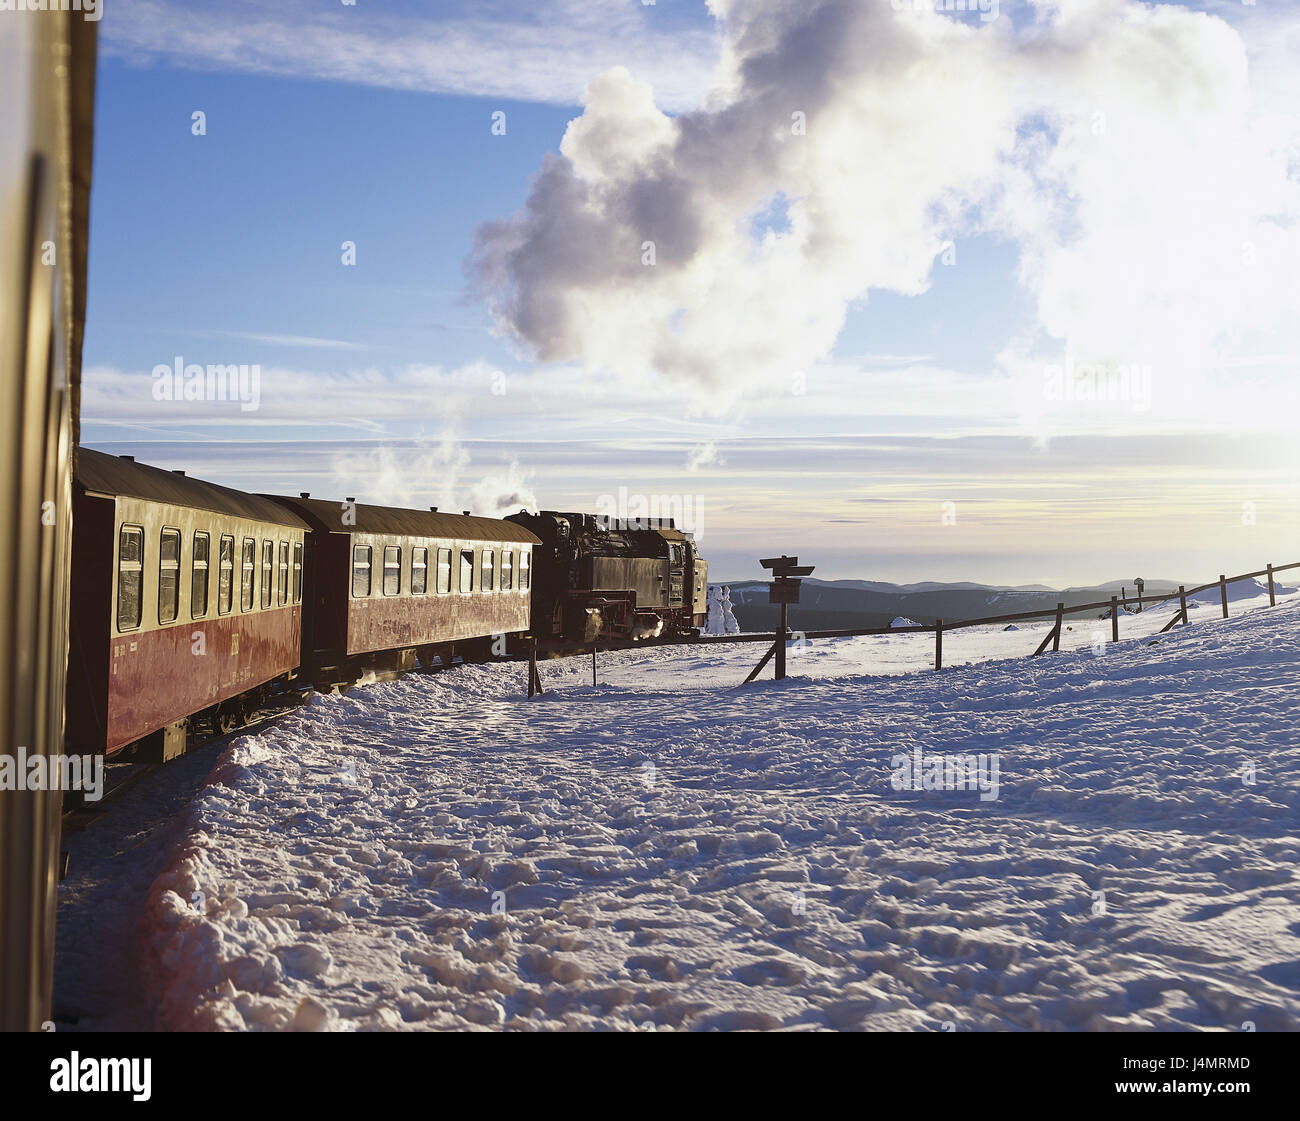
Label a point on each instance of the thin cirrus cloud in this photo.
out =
(306, 342)
(867, 396)
(486, 49)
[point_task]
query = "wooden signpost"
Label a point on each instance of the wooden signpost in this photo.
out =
(784, 590)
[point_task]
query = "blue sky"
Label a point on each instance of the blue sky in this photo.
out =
(915, 443)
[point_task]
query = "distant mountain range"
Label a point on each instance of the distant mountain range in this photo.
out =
(852, 604)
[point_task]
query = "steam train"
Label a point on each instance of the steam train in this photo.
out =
(193, 602)
(601, 578)
(167, 600)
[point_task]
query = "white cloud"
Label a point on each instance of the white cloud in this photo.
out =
(868, 395)
(1116, 142)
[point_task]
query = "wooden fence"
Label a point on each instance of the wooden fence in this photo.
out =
(1053, 636)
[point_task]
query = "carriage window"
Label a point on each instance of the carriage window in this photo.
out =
(525, 569)
(283, 586)
(169, 575)
(392, 570)
(246, 564)
(507, 570)
(199, 576)
(268, 571)
(489, 559)
(419, 571)
(444, 571)
(297, 572)
(130, 573)
(360, 571)
(226, 579)
(467, 570)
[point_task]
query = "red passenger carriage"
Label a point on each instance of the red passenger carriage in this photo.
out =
(387, 586)
(186, 602)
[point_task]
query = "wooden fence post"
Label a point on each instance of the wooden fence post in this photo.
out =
(1114, 620)
(593, 664)
(1182, 602)
(1056, 634)
(534, 678)
(771, 651)
(938, 644)
(1272, 599)
(1123, 595)
(781, 636)
(1223, 593)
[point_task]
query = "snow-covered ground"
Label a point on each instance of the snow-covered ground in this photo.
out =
(667, 850)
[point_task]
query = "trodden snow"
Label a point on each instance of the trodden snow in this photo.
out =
(667, 850)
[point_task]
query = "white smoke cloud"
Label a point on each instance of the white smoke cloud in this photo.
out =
(704, 455)
(842, 146)
(507, 492)
(425, 473)
(434, 472)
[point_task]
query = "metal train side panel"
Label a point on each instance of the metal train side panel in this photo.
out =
(700, 596)
(345, 622)
(380, 622)
(47, 65)
(647, 577)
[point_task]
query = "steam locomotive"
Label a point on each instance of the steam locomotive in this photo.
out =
(605, 579)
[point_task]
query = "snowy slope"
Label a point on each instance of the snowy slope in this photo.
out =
(675, 852)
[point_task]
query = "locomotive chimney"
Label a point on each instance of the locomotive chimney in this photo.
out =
(304, 494)
(128, 458)
(177, 471)
(433, 509)
(350, 498)
(465, 512)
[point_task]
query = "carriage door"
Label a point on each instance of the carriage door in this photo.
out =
(676, 574)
